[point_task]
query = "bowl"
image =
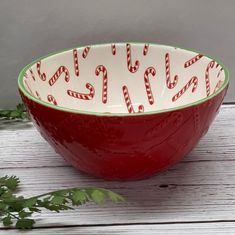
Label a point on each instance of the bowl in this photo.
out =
(123, 111)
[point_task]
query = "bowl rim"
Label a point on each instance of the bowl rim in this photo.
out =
(76, 111)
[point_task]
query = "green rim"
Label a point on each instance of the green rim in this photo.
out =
(26, 93)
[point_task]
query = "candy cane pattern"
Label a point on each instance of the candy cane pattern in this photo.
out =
(128, 102)
(207, 79)
(131, 68)
(41, 75)
(193, 60)
(98, 70)
(83, 96)
(148, 71)
(113, 48)
(169, 84)
(219, 72)
(85, 52)
(218, 85)
(29, 88)
(75, 62)
(60, 70)
(37, 94)
(193, 81)
(52, 99)
(32, 74)
(146, 48)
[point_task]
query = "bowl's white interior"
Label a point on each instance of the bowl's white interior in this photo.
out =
(115, 59)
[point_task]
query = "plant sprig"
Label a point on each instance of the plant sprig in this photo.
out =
(19, 113)
(17, 210)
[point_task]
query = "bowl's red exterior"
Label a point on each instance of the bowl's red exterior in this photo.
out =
(127, 147)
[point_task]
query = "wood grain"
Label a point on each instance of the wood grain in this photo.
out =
(160, 229)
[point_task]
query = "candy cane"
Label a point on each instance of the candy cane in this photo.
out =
(26, 83)
(169, 84)
(219, 72)
(75, 62)
(37, 94)
(148, 71)
(85, 52)
(60, 70)
(131, 68)
(218, 85)
(32, 74)
(113, 48)
(207, 79)
(41, 75)
(193, 81)
(83, 96)
(99, 69)
(129, 103)
(193, 60)
(145, 50)
(52, 99)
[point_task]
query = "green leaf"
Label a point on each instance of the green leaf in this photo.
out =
(97, 196)
(19, 113)
(11, 182)
(25, 223)
(23, 214)
(28, 203)
(20, 107)
(14, 114)
(3, 206)
(78, 197)
(7, 221)
(114, 196)
(57, 200)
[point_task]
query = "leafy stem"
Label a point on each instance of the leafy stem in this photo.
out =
(19, 112)
(18, 210)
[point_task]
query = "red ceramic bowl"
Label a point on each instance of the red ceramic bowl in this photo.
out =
(126, 110)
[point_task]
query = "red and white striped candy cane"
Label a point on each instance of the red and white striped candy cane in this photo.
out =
(146, 48)
(41, 75)
(60, 70)
(131, 68)
(218, 85)
(219, 72)
(113, 48)
(207, 77)
(169, 84)
(193, 81)
(98, 70)
(148, 71)
(32, 74)
(52, 99)
(192, 60)
(83, 96)
(38, 95)
(85, 52)
(29, 88)
(75, 62)
(129, 103)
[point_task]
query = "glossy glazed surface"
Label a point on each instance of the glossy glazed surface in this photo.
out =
(133, 145)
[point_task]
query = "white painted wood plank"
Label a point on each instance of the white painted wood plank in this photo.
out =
(158, 229)
(22, 146)
(197, 191)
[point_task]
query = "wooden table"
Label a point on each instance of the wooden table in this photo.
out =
(196, 196)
